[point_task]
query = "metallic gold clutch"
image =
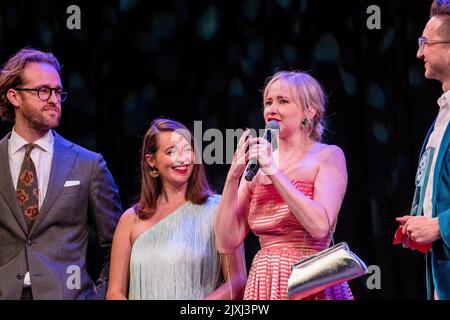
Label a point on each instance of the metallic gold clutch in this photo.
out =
(325, 269)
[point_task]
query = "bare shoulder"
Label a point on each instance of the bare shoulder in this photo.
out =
(330, 152)
(128, 218)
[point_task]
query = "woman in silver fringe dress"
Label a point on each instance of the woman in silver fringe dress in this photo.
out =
(164, 246)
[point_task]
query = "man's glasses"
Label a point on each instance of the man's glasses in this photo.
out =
(423, 41)
(44, 93)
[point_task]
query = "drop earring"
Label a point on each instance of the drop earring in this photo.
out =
(305, 123)
(154, 173)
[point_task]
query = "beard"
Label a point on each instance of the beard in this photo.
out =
(39, 119)
(435, 71)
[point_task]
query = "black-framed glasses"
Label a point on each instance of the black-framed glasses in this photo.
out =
(44, 93)
(423, 41)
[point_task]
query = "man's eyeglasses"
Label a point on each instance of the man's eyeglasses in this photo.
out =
(44, 93)
(423, 41)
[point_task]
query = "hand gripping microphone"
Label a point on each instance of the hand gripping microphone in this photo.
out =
(253, 165)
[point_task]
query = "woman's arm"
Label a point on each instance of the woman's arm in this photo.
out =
(120, 257)
(231, 225)
(235, 274)
(231, 221)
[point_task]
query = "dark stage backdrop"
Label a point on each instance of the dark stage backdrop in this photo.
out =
(133, 61)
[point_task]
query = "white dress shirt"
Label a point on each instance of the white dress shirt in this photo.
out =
(42, 156)
(435, 142)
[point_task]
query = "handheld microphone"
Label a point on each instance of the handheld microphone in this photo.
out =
(253, 165)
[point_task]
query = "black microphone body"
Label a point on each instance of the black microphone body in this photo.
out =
(253, 165)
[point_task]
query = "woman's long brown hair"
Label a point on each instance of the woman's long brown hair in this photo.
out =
(198, 189)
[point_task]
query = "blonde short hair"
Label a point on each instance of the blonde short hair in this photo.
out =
(307, 93)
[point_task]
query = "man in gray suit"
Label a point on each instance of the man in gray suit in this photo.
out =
(52, 192)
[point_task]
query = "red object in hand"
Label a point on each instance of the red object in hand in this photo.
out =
(398, 238)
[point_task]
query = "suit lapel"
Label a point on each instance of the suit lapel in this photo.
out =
(425, 142)
(443, 149)
(62, 164)
(7, 190)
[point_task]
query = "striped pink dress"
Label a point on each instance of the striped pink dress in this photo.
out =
(282, 240)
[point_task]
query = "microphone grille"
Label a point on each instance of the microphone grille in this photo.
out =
(272, 124)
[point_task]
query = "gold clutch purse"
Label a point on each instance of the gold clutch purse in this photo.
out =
(325, 269)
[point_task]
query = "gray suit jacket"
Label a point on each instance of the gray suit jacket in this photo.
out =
(56, 246)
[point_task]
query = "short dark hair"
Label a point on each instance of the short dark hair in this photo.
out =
(11, 75)
(440, 8)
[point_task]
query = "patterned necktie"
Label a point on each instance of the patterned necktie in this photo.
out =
(27, 188)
